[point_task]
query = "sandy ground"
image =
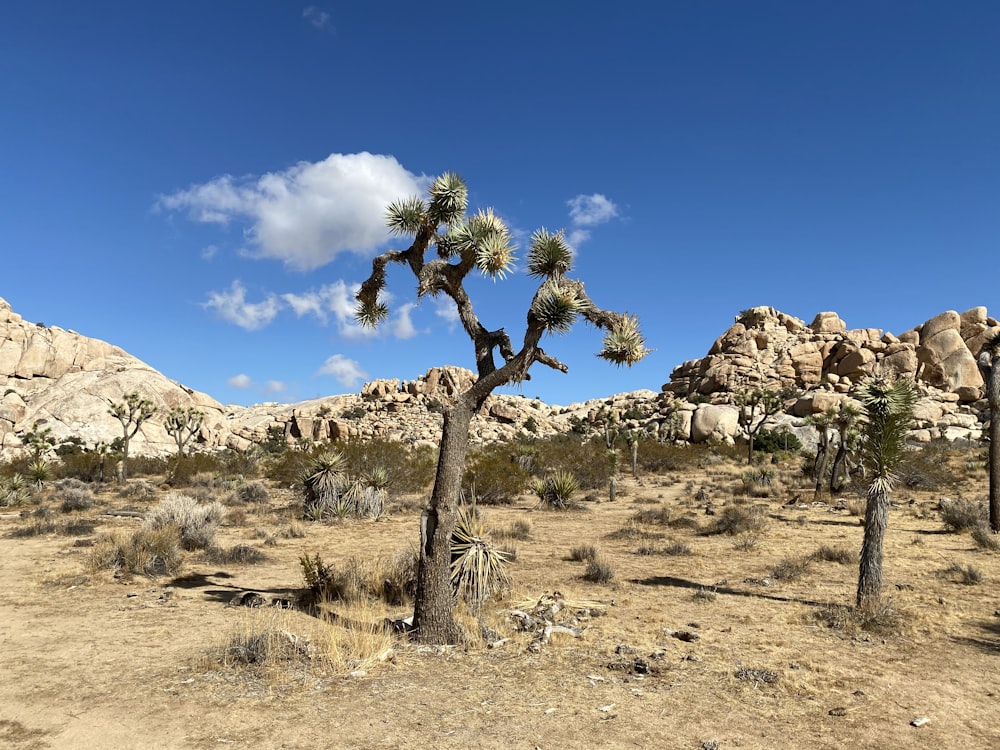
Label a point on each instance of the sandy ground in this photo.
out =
(89, 661)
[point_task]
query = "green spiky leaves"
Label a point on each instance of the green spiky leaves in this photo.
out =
(369, 315)
(549, 254)
(888, 402)
(405, 217)
(449, 199)
(557, 306)
(624, 343)
(483, 239)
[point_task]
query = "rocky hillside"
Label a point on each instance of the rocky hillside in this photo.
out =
(66, 381)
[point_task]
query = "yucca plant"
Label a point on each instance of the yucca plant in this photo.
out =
(325, 484)
(556, 490)
(14, 491)
(478, 567)
(888, 402)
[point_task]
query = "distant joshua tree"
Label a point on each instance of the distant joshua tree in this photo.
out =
(182, 424)
(756, 406)
(447, 245)
(888, 403)
(131, 412)
(989, 364)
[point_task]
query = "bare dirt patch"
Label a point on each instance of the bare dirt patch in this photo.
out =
(682, 651)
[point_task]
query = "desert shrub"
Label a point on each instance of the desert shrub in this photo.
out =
(703, 594)
(776, 441)
(676, 549)
(599, 571)
(556, 491)
(196, 523)
(84, 466)
(253, 492)
(137, 489)
(409, 469)
(583, 553)
(147, 466)
(14, 491)
(586, 459)
(509, 552)
(245, 463)
(330, 493)
(478, 567)
(519, 530)
(739, 519)
(191, 467)
(76, 498)
(962, 515)
(928, 467)
(841, 555)
(494, 476)
(985, 538)
(238, 554)
(758, 481)
(964, 574)
(287, 467)
(790, 568)
(631, 532)
(746, 542)
(659, 458)
(391, 580)
(145, 551)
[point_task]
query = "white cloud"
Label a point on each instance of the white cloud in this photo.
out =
(401, 325)
(274, 386)
(446, 309)
(309, 213)
(318, 18)
(336, 299)
(577, 237)
(231, 305)
(347, 372)
(209, 252)
(591, 210)
(240, 381)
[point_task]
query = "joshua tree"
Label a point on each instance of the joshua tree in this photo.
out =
(447, 245)
(39, 440)
(845, 420)
(756, 406)
(182, 424)
(131, 412)
(823, 422)
(989, 364)
(888, 403)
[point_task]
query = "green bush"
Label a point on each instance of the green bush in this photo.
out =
(777, 441)
(493, 476)
(587, 460)
(410, 468)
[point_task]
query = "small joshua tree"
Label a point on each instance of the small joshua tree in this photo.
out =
(756, 406)
(131, 412)
(989, 365)
(888, 403)
(182, 424)
(447, 245)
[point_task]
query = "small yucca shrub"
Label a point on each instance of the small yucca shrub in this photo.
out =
(478, 567)
(14, 491)
(556, 490)
(146, 551)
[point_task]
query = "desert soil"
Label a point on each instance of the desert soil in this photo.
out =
(93, 661)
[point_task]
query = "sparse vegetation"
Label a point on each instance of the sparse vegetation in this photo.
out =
(196, 523)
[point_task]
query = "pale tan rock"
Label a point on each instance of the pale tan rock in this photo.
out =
(827, 322)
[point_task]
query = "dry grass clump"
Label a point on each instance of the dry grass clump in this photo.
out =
(790, 568)
(746, 542)
(76, 498)
(962, 515)
(739, 519)
(599, 570)
(985, 538)
(583, 553)
(146, 551)
(252, 493)
(967, 575)
(664, 516)
(631, 532)
(391, 580)
(826, 553)
(519, 530)
(195, 522)
(885, 620)
(238, 554)
(759, 482)
(137, 489)
(279, 644)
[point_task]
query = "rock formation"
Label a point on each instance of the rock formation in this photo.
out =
(66, 381)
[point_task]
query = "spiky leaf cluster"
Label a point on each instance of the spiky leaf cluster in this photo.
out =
(369, 315)
(624, 343)
(888, 402)
(449, 198)
(405, 217)
(557, 306)
(549, 254)
(482, 239)
(478, 567)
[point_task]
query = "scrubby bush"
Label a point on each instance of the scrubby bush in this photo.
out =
(929, 467)
(583, 553)
(841, 555)
(586, 459)
(391, 580)
(253, 492)
(494, 476)
(196, 523)
(76, 498)
(409, 468)
(776, 441)
(739, 519)
(556, 491)
(962, 515)
(146, 551)
(599, 571)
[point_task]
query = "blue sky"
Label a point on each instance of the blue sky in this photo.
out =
(201, 183)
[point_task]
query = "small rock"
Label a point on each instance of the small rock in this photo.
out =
(919, 721)
(838, 711)
(710, 745)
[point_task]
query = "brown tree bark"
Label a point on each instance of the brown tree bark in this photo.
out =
(993, 398)
(870, 569)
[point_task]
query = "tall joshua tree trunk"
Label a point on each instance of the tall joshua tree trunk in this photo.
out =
(434, 608)
(870, 568)
(989, 363)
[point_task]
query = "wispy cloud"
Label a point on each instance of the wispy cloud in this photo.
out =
(347, 372)
(232, 305)
(318, 18)
(588, 211)
(309, 213)
(446, 310)
(240, 381)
